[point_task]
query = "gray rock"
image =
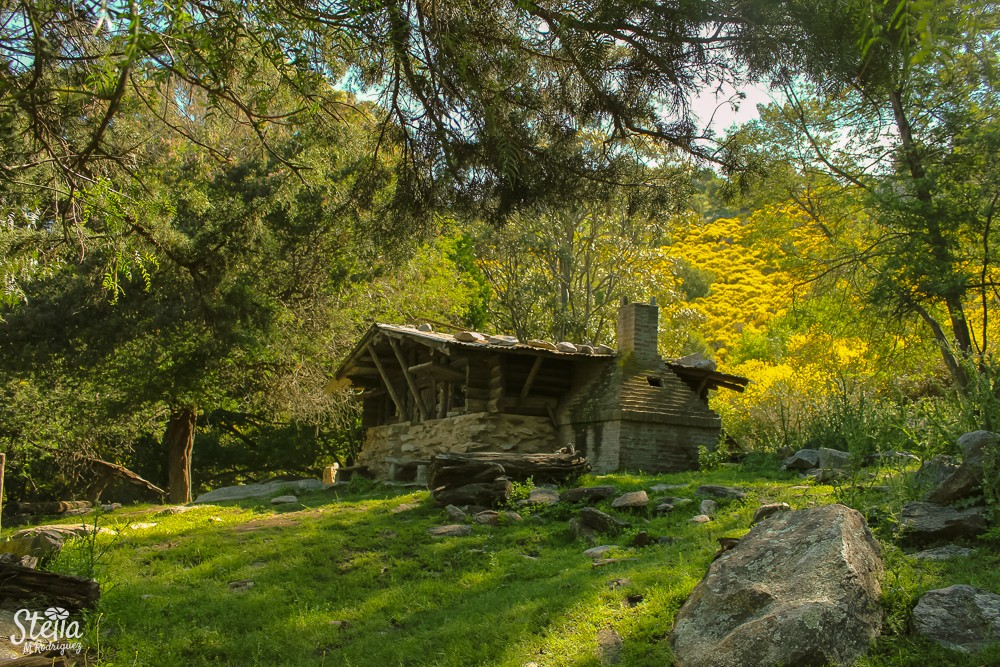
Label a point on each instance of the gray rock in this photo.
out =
(960, 617)
(582, 531)
(541, 496)
(454, 530)
(725, 492)
(663, 508)
(804, 459)
(660, 488)
(266, 490)
(966, 481)
(771, 509)
(935, 471)
(589, 494)
(566, 347)
(609, 646)
(456, 514)
(631, 501)
(696, 360)
(802, 588)
(947, 552)
(597, 552)
(927, 522)
(285, 500)
(834, 459)
(700, 518)
(974, 446)
(603, 349)
(708, 507)
(487, 518)
(600, 521)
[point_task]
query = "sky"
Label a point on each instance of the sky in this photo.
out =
(711, 107)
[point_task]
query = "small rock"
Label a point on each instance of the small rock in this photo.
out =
(470, 337)
(425, 327)
(609, 646)
(631, 501)
(405, 507)
(284, 500)
(603, 349)
(540, 344)
(456, 514)
(926, 522)
(663, 508)
(804, 459)
(502, 341)
(946, 552)
(960, 617)
(700, 518)
(566, 347)
(765, 511)
(642, 540)
(509, 516)
(708, 507)
(241, 585)
(586, 349)
(142, 525)
(833, 459)
(726, 492)
(589, 494)
(600, 521)
(540, 496)
(582, 531)
(453, 530)
(111, 507)
(597, 552)
(487, 518)
(660, 488)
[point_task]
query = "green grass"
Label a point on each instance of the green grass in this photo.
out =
(341, 580)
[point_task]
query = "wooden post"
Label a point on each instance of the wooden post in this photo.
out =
(3, 461)
(405, 367)
(388, 383)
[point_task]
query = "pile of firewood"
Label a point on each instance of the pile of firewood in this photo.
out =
(484, 478)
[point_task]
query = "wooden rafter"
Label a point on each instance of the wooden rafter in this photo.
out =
(438, 371)
(526, 389)
(388, 382)
(404, 367)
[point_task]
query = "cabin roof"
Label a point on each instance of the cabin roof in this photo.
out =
(696, 377)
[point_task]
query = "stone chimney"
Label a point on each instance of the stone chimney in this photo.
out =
(637, 329)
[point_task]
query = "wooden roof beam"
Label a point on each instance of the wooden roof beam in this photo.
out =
(409, 379)
(526, 389)
(387, 380)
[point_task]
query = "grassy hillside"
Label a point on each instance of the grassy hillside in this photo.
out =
(355, 579)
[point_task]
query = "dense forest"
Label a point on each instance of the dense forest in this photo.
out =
(206, 204)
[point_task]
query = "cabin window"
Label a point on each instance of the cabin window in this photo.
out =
(654, 381)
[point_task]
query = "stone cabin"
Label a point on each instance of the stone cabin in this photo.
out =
(425, 392)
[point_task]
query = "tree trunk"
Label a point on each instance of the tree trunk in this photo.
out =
(3, 461)
(179, 441)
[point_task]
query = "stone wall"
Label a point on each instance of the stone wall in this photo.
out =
(479, 431)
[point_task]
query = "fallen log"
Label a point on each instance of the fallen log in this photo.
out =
(487, 494)
(109, 469)
(52, 507)
(23, 583)
(464, 473)
(556, 467)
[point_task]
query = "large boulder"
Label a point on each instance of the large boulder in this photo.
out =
(927, 522)
(959, 617)
(265, 490)
(804, 459)
(801, 588)
(834, 459)
(975, 446)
